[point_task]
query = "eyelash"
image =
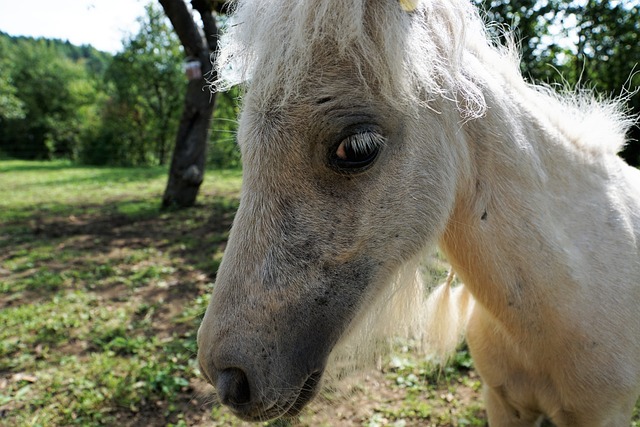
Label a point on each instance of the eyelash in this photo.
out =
(358, 151)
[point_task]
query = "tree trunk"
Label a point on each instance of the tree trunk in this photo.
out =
(189, 155)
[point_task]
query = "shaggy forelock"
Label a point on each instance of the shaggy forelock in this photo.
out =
(440, 50)
(274, 45)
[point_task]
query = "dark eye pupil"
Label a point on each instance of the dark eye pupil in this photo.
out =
(356, 152)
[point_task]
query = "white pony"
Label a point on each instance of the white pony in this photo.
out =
(372, 129)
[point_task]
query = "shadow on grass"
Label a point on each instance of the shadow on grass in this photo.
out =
(141, 275)
(86, 244)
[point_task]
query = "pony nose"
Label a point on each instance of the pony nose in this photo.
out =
(233, 388)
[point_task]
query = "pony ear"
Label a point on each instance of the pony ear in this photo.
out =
(409, 5)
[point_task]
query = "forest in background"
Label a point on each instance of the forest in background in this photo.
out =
(58, 100)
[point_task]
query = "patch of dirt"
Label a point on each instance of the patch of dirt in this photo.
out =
(364, 399)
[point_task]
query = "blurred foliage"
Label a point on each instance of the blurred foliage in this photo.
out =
(588, 44)
(63, 101)
(145, 86)
(48, 99)
(223, 150)
(11, 107)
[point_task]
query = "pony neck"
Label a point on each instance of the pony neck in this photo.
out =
(508, 232)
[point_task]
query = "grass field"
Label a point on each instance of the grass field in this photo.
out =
(101, 294)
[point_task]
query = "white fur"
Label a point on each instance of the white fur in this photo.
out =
(414, 54)
(544, 229)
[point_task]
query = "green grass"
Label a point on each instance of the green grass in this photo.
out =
(101, 294)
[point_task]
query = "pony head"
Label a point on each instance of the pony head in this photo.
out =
(351, 161)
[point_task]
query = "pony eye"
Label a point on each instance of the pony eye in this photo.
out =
(358, 151)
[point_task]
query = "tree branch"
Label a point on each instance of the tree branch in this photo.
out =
(184, 26)
(204, 8)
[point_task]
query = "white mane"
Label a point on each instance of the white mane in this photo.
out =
(271, 45)
(438, 50)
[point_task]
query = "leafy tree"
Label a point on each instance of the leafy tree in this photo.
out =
(11, 107)
(593, 44)
(53, 93)
(144, 82)
(607, 56)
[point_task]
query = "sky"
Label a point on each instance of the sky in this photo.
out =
(100, 23)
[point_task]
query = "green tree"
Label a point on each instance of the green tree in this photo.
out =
(593, 44)
(49, 96)
(11, 107)
(144, 81)
(607, 55)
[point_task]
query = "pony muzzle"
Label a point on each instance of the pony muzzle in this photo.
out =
(236, 392)
(244, 391)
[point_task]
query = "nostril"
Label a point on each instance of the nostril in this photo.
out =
(233, 387)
